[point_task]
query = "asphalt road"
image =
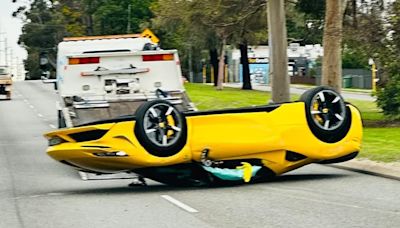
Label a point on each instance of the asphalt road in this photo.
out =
(36, 191)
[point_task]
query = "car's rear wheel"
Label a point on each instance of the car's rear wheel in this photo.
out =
(327, 115)
(160, 128)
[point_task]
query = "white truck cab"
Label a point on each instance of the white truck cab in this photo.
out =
(106, 77)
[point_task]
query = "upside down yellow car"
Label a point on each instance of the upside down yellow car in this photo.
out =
(215, 147)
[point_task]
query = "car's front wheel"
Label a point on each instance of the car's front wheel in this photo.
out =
(160, 128)
(327, 115)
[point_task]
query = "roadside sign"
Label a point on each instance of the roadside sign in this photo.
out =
(149, 34)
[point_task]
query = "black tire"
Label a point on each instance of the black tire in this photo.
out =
(154, 129)
(61, 119)
(327, 115)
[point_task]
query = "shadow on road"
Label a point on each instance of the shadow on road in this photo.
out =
(306, 177)
(155, 187)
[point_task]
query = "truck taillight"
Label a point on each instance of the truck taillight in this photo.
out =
(87, 60)
(160, 57)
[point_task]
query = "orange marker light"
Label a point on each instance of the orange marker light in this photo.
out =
(162, 57)
(87, 60)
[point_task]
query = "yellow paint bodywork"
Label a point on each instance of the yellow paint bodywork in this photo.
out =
(230, 136)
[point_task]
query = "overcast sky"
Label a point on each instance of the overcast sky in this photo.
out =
(12, 29)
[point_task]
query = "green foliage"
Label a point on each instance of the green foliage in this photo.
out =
(314, 9)
(354, 59)
(389, 95)
(304, 21)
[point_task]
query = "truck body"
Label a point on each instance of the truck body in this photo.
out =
(106, 77)
(5, 83)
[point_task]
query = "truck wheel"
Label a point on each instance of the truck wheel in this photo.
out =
(61, 119)
(327, 115)
(160, 128)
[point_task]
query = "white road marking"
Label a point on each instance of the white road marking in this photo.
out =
(179, 204)
(25, 100)
(52, 126)
(40, 115)
(55, 194)
(31, 106)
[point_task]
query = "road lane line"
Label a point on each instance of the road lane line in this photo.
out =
(31, 106)
(40, 115)
(179, 204)
(52, 126)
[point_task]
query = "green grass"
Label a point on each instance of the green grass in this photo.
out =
(369, 110)
(380, 144)
(206, 97)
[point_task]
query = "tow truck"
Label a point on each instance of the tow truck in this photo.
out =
(5, 83)
(103, 77)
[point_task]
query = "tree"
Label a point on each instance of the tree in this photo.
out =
(389, 91)
(332, 43)
(39, 32)
(210, 25)
(251, 31)
(305, 21)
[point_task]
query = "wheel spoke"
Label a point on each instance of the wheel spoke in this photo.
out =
(175, 128)
(165, 140)
(151, 130)
(326, 125)
(169, 111)
(153, 112)
(336, 100)
(315, 112)
(339, 117)
(321, 96)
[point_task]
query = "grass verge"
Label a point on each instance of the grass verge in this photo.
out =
(379, 144)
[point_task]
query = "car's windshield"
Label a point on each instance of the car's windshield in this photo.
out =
(3, 71)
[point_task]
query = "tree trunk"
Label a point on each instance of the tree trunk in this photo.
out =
(278, 51)
(214, 64)
(354, 12)
(89, 28)
(221, 67)
(332, 42)
(244, 59)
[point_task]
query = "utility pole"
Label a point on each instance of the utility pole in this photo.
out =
(5, 52)
(280, 80)
(332, 61)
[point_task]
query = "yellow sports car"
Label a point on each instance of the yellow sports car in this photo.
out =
(242, 145)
